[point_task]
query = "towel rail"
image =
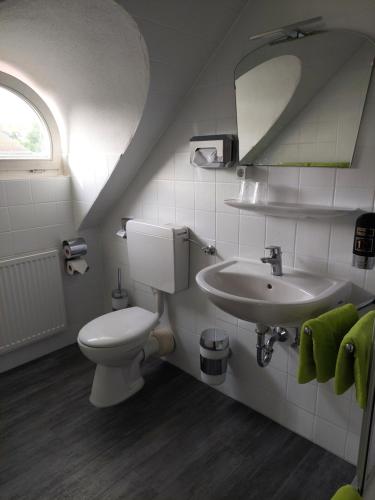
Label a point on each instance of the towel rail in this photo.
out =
(348, 347)
(368, 303)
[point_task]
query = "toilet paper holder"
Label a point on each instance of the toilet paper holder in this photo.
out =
(74, 249)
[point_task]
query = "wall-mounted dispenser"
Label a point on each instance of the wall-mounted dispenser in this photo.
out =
(364, 242)
(213, 151)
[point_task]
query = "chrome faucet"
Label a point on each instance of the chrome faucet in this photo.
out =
(274, 259)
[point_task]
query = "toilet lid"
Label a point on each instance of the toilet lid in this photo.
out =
(127, 326)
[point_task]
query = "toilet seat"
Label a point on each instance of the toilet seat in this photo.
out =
(127, 327)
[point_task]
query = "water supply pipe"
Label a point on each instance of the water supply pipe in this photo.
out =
(265, 347)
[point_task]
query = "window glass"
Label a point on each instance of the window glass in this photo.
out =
(23, 133)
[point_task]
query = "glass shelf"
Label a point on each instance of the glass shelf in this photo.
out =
(293, 210)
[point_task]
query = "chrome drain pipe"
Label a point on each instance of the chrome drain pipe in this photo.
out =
(265, 347)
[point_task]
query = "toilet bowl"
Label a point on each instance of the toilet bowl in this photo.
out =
(116, 342)
(119, 341)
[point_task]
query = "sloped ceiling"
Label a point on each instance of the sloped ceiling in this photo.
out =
(87, 60)
(180, 36)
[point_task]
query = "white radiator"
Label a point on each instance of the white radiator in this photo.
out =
(31, 299)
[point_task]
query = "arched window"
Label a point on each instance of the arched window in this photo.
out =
(23, 133)
(29, 139)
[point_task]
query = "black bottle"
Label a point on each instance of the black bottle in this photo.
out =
(364, 242)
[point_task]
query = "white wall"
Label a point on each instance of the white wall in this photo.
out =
(88, 61)
(180, 37)
(168, 189)
(370, 493)
(36, 215)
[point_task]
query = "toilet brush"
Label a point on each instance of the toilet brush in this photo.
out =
(120, 298)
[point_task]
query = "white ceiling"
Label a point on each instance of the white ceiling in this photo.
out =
(180, 35)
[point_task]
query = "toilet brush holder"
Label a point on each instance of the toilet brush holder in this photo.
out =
(120, 299)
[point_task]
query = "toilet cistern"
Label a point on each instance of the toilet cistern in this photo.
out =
(274, 259)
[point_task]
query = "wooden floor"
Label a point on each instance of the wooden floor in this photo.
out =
(177, 439)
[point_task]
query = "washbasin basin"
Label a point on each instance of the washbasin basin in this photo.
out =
(246, 289)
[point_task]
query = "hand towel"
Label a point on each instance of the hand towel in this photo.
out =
(318, 352)
(354, 367)
(346, 493)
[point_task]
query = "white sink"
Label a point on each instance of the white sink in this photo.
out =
(246, 289)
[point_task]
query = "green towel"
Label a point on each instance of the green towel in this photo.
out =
(318, 352)
(355, 367)
(346, 493)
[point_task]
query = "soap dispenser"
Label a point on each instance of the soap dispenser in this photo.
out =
(364, 242)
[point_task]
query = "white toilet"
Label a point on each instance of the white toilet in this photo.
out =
(119, 341)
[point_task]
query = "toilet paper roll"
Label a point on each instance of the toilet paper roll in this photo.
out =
(74, 248)
(76, 266)
(165, 339)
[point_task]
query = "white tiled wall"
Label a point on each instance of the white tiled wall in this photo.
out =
(36, 215)
(168, 189)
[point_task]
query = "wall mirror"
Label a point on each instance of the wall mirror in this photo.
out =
(299, 102)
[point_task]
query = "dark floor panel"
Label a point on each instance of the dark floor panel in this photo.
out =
(177, 439)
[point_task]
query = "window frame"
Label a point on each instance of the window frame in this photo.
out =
(31, 165)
